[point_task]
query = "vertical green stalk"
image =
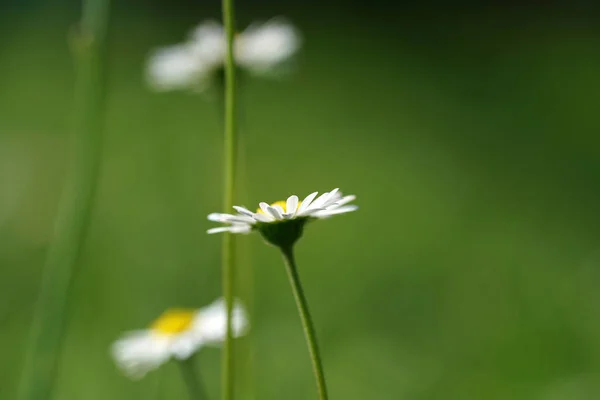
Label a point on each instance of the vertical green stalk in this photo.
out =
(245, 269)
(228, 270)
(192, 380)
(307, 324)
(50, 319)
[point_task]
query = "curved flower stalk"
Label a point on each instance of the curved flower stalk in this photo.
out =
(262, 49)
(281, 224)
(41, 364)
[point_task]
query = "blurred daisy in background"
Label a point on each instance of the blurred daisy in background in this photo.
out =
(262, 49)
(282, 222)
(178, 334)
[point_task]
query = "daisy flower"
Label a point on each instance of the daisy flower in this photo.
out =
(263, 48)
(177, 68)
(178, 334)
(282, 222)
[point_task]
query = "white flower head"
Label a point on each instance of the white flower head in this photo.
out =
(262, 48)
(282, 222)
(207, 42)
(177, 333)
(176, 67)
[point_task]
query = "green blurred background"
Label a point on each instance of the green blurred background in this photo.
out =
(471, 271)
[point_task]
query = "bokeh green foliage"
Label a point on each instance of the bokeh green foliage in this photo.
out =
(471, 270)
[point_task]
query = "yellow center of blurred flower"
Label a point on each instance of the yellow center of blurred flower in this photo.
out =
(174, 321)
(280, 203)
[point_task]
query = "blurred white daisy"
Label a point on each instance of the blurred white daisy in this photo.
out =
(264, 47)
(281, 223)
(261, 49)
(177, 333)
(176, 67)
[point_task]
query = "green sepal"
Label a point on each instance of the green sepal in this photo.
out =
(283, 234)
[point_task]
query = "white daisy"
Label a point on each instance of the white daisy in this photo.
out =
(176, 67)
(263, 47)
(177, 333)
(260, 49)
(281, 223)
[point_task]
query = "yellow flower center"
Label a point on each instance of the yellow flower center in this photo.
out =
(280, 203)
(174, 321)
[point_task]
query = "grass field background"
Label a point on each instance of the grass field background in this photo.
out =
(471, 270)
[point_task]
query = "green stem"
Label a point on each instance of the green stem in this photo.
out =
(192, 381)
(228, 261)
(307, 324)
(50, 319)
(160, 379)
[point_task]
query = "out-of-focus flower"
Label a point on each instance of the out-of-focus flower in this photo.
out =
(261, 49)
(176, 67)
(177, 333)
(282, 222)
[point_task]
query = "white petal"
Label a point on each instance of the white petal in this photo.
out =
(334, 211)
(345, 200)
(219, 229)
(211, 322)
(306, 203)
(240, 219)
(228, 218)
(312, 211)
(243, 211)
(262, 47)
(241, 228)
(264, 206)
(207, 42)
(291, 205)
(217, 217)
(262, 217)
(279, 208)
(318, 203)
(332, 198)
(185, 344)
(174, 67)
(207, 29)
(235, 228)
(139, 352)
(334, 192)
(275, 212)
